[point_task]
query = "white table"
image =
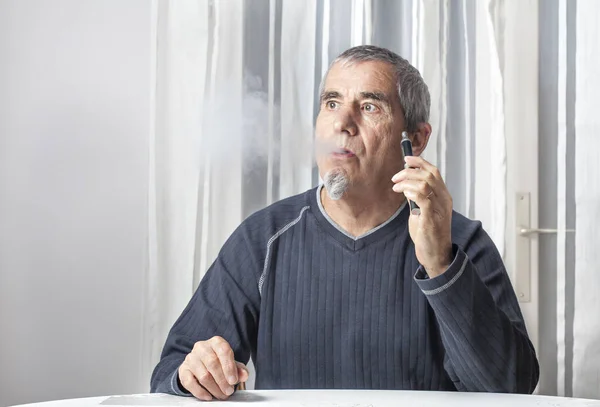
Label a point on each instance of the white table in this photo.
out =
(333, 398)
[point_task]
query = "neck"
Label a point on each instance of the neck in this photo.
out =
(357, 212)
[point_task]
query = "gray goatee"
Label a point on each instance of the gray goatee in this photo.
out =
(336, 183)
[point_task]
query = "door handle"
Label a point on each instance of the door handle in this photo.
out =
(523, 231)
(523, 242)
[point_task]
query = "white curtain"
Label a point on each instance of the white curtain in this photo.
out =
(237, 96)
(569, 304)
(586, 323)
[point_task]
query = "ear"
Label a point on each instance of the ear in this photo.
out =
(420, 138)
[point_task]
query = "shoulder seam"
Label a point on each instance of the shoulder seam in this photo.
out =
(270, 242)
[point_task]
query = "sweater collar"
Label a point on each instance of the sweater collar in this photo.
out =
(396, 221)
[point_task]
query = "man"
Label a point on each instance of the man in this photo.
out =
(344, 287)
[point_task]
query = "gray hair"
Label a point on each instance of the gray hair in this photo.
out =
(336, 183)
(412, 90)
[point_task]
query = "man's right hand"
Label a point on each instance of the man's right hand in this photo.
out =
(210, 370)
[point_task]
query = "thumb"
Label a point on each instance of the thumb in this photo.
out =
(413, 226)
(242, 371)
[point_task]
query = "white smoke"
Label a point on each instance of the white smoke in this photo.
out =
(242, 126)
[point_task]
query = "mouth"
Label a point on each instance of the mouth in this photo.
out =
(340, 152)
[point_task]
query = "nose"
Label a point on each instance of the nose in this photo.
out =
(344, 122)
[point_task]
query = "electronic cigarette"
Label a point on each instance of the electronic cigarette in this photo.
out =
(407, 150)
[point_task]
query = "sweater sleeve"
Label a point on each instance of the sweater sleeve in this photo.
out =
(226, 304)
(482, 328)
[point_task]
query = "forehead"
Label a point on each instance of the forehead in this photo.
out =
(361, 76)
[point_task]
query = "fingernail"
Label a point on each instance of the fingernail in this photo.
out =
(232, 380)
(229, 391)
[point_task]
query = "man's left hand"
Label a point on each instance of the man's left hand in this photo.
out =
(431, 229)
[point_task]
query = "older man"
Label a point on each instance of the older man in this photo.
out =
(344, 287)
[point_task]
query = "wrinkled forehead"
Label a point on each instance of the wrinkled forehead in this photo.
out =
(360, 76)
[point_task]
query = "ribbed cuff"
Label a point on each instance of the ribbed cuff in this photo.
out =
(436, 285)
(176, 386)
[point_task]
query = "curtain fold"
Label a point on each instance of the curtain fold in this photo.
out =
(429, 56)
(298, 81)
(182, 45)
(490, 144)
(561, 208)
(586, 324)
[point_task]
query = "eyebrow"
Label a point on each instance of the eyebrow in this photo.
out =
(379, 96)
(332, 94)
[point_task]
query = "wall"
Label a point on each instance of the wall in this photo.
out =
(74, 127)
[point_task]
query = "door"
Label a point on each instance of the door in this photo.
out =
(519, 49)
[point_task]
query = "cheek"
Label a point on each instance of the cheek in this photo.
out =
(380, 138)
(394, 160)
(384, 148)
(323, 120)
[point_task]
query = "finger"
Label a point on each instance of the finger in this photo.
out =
(420, 162)
(206, 380)
(425, 204)
(189, 382)
(416, 186)
(213, 365)
(242, 370)
(227, 360)
(417, 174)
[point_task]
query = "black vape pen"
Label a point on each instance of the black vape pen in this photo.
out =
(407, 150)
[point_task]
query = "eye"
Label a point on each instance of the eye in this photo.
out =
(332, 105)
(369, 107)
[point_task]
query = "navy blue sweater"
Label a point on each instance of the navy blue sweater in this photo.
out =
(317, 308)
